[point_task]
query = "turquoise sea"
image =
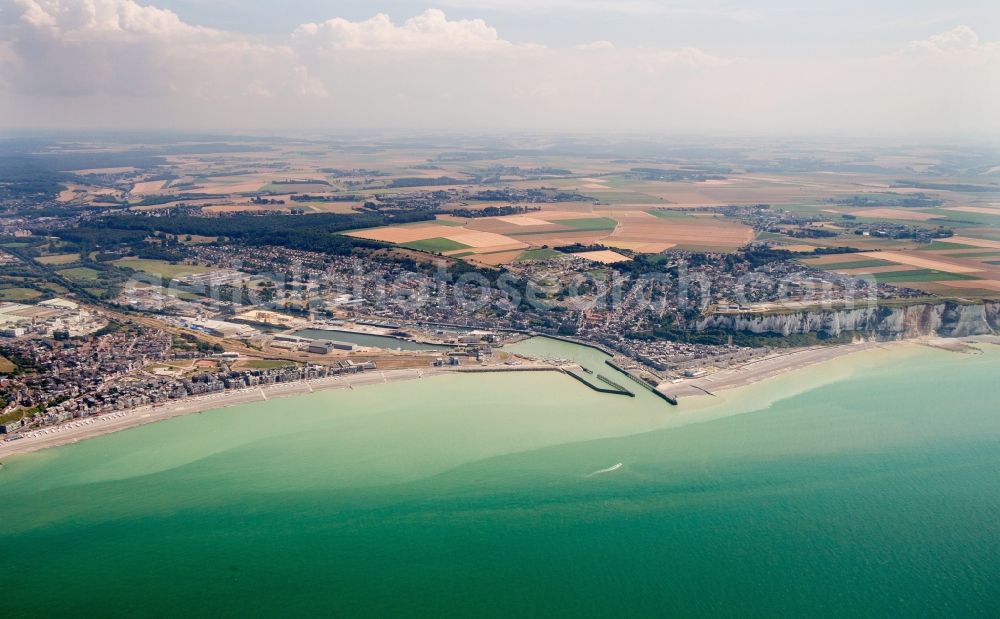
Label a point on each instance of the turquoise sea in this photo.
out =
(865, 487)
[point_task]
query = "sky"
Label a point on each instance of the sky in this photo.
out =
(767, 67)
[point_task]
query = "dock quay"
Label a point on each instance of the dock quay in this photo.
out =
(570, 340)
(671, 400)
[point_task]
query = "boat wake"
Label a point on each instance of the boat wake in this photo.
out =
(610, 469)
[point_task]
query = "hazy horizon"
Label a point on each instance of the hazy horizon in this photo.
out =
(900, 70)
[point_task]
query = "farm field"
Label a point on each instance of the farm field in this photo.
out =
(436, 245)
(19, 294)
(932, 214)
(971, 274)
(602, 256)
(538, 254)
(79, 274)
(631, 229)
(58, 259)
(162, 268)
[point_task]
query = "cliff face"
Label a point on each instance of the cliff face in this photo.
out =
(945, 319)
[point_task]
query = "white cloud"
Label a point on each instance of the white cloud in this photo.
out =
(118, 63)
(429, 31)
(597, 45)
(959, 42)
(118, 47)
(677, 8)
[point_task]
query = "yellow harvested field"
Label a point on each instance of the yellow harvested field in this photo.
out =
(643, 248)
(984, 284)
(495, 259)
(149, 187)
(965, 240)
(523, 220)
(920, 262)
(634, 229)
(894, 213)
(605, 256)
(565, 238)
(982, 210)
(401, 234)
(657, 233)
(244, 186)
(70, 193)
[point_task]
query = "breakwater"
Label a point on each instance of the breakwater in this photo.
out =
(612, 388)
(652, 389)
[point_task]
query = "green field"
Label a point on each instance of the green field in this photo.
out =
(19, 294)
(957, 218)
(858, 264)
(58, 259)
(79, 274)
(947, 245)
(263, 364)
(435, 245)
(54, 287)
(668, 213)
(6, 365)
(627, 197)
(977, 254)
(919, 275)
(162, 268)
(539, 254)
(590, 223)
(196, 239)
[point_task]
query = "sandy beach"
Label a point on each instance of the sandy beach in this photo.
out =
(115, 421)
(784, 362)
(730, 378)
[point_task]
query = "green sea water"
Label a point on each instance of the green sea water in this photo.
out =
(868, 486)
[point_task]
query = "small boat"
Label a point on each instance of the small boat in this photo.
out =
(610, 469)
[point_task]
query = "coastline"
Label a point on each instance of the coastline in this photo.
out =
(777, 365)
(690, 390)
(116, 421)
